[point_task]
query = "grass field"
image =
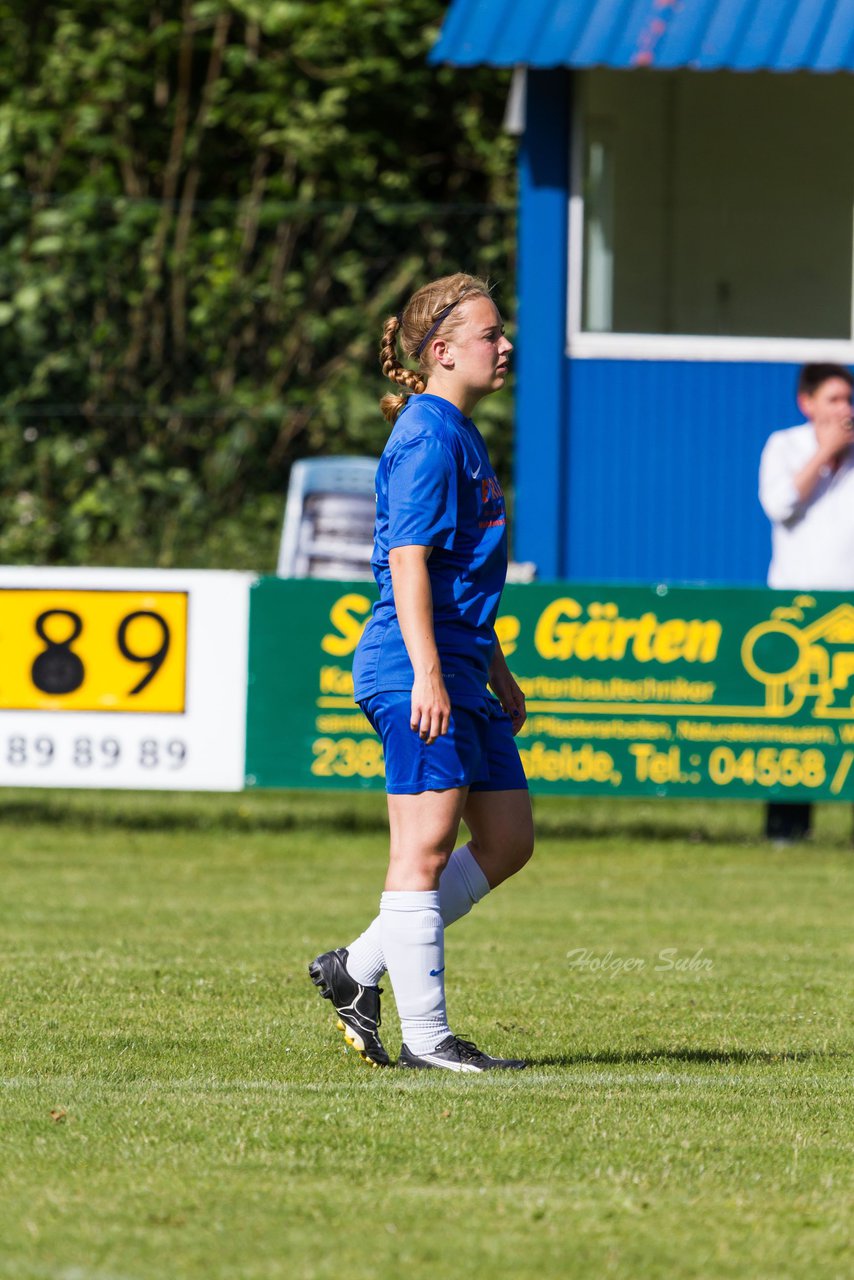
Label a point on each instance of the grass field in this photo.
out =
(177, 1104)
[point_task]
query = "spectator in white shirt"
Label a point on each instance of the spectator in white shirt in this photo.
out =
(806, 487)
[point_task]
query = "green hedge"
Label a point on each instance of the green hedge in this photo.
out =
(206, 211)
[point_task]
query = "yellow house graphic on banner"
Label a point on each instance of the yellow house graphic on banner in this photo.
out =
(818, 661)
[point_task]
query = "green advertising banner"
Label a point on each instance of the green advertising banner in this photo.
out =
(685, 691)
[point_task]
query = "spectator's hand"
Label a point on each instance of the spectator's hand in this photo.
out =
(837, 439)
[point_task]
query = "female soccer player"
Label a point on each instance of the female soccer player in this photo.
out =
(421, 672)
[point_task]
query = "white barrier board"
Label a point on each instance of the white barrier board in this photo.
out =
(123, 678)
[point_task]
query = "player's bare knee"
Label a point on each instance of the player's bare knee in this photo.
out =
(424, 861)
(503, 858)
(526, 851)
(523, 850)
(437, 859)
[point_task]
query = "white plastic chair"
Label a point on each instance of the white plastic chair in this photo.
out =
(328, 529)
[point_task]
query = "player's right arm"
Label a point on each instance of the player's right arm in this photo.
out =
(413, 602)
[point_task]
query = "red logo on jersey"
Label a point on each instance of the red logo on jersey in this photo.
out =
(492, 499)
(490, 489)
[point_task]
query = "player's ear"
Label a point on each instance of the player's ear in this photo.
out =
(442, 353)
(805, 404)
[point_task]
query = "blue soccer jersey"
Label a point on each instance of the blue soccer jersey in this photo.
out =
(436, 488)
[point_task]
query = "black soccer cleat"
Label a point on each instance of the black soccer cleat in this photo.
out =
(358, 1007)
(454, 1054)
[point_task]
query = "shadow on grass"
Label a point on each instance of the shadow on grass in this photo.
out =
(163, 812)
(700, 821)
(645, 831)
(158, 812)
(648, 1057)
(577, 820)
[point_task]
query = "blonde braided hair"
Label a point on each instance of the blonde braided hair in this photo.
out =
(412, 326)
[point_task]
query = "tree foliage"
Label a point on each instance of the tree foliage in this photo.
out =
(207, 208)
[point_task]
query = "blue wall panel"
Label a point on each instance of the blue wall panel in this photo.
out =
(540, 349)
(661, 464)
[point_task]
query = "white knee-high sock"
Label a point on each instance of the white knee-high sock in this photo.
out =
(461, 885)
(413, 945)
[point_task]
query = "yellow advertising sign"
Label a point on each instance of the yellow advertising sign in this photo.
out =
(67, 650)
(656, 690)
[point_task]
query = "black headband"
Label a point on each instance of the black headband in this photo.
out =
(443, 315)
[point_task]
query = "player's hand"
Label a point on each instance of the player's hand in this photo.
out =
(431, 708)
(512, 699)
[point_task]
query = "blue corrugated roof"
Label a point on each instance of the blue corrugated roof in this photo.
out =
(739, 35)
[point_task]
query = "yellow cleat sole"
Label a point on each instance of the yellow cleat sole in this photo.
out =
(356, 1042)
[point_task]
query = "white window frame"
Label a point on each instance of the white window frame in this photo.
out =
(581, 345)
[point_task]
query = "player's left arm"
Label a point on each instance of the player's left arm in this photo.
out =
(506, 689)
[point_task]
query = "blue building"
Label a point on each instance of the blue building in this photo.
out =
(686, 227)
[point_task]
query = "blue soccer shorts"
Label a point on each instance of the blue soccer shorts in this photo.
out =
(478, 751)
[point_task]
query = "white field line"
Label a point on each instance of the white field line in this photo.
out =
(556, 1081)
